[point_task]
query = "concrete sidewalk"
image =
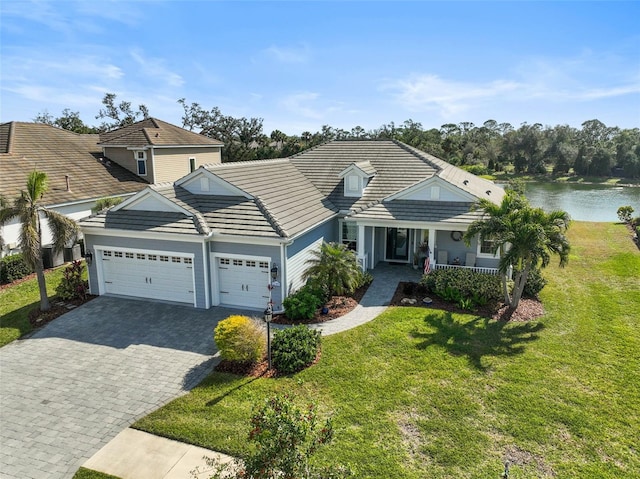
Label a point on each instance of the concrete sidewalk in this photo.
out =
(137, 455)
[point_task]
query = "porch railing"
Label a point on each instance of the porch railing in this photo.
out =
(479, 269)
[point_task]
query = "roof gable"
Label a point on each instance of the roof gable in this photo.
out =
(151, 200)
(363, 169)
(203, 182)
(433, 189)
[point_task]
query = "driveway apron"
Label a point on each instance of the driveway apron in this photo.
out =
(71, 387)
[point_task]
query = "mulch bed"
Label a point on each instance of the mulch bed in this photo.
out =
(338, 306)
(254, 370)
(39, 318)
(528, 308)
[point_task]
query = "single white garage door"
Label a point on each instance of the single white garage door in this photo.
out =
(243, 282)
(143, 274)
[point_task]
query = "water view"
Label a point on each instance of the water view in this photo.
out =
(584, 202)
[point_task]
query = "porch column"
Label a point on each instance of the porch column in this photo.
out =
(432, 245)
(361, 240)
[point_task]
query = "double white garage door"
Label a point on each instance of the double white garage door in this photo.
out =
(145, 274)
(169, 276)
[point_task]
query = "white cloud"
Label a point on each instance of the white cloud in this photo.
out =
(155, 68)
(288, 54)
(430, 92)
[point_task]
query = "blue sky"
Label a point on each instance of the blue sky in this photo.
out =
(301, 65)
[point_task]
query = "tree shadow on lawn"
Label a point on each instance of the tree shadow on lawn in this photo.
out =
(478, 338)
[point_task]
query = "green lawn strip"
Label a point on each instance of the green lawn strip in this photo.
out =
(84, 473)
(18, 300)
(423, 393)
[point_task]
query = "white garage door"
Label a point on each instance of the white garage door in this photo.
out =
(243, 282)
(143, 274)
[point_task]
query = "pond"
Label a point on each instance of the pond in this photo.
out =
(584, 202)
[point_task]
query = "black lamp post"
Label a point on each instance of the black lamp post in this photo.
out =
(88, 256)
(268, 313)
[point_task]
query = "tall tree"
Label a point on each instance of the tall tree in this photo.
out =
(68, 120)
(30, 211)
(526, 238)
(121, 114)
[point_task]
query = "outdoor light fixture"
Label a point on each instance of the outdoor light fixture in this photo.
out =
(268, 316)
(88, 256)
(274, 272)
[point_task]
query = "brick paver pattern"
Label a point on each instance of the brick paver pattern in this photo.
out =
(71, 387)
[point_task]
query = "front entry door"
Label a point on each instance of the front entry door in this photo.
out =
(397, 244)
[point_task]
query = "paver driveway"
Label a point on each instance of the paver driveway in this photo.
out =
(72, 386)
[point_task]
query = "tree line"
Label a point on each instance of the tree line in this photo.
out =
(594, 149)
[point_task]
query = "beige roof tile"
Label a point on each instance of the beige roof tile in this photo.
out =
(28, 146)
(154, 132)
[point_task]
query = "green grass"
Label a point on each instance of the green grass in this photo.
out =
(423, 393)
(84, 473)
(18, 300)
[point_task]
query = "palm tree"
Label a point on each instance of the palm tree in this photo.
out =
(526, 238)
(28, 209)
(334, 268)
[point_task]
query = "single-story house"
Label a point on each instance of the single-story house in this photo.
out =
(239, 234)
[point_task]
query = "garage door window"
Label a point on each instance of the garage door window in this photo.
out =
(141, 256)
(152, 257)
(106, 254)
(188, 261)
(128, 255)
(164, 258)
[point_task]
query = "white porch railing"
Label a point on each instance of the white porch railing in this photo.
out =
(479, 269)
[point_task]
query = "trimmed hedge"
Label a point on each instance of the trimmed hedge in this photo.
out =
(468, 283)
(12, 268)
(294, 348)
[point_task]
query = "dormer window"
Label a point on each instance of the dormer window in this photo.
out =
(141, 162)
(356, 177)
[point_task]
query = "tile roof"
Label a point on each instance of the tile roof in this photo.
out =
(149, 221)
(452, 212)
(154, 132)
(57, 152)
(291, 195)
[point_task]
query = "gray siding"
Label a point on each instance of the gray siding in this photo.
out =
(328, 231)
(150, 244)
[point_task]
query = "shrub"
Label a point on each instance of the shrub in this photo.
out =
(285, 437)
(624, 213)
(13, 267)
(363, 278)
(294, 348)
(241, 339)
(72, 286)
(467, 283)
(535, 283)
(303, 303)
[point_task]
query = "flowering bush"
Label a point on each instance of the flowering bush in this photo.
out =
(239, 338)
(72, 286)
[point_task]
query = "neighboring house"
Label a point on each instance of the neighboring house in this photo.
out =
(78, 174)
(158, 151)
(217, 235)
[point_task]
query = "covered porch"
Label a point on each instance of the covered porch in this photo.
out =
(420, 246)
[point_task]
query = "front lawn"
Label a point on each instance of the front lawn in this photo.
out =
(16, 301)
(424, 393)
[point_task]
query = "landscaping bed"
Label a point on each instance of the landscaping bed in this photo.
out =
(528, 308)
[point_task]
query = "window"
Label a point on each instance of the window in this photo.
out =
(140, 256)
(250, 263)
(350, 235)
(128, 255)
(187, 260)
(106, 254)
(264, 264)
(164, 258)
(435, 192)
(237, 262)
(486, 246)
(152, 257)
(192, 164)
(141, 161)
(354, 183)
(118, 254)
(224, 260)
(175, 259)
